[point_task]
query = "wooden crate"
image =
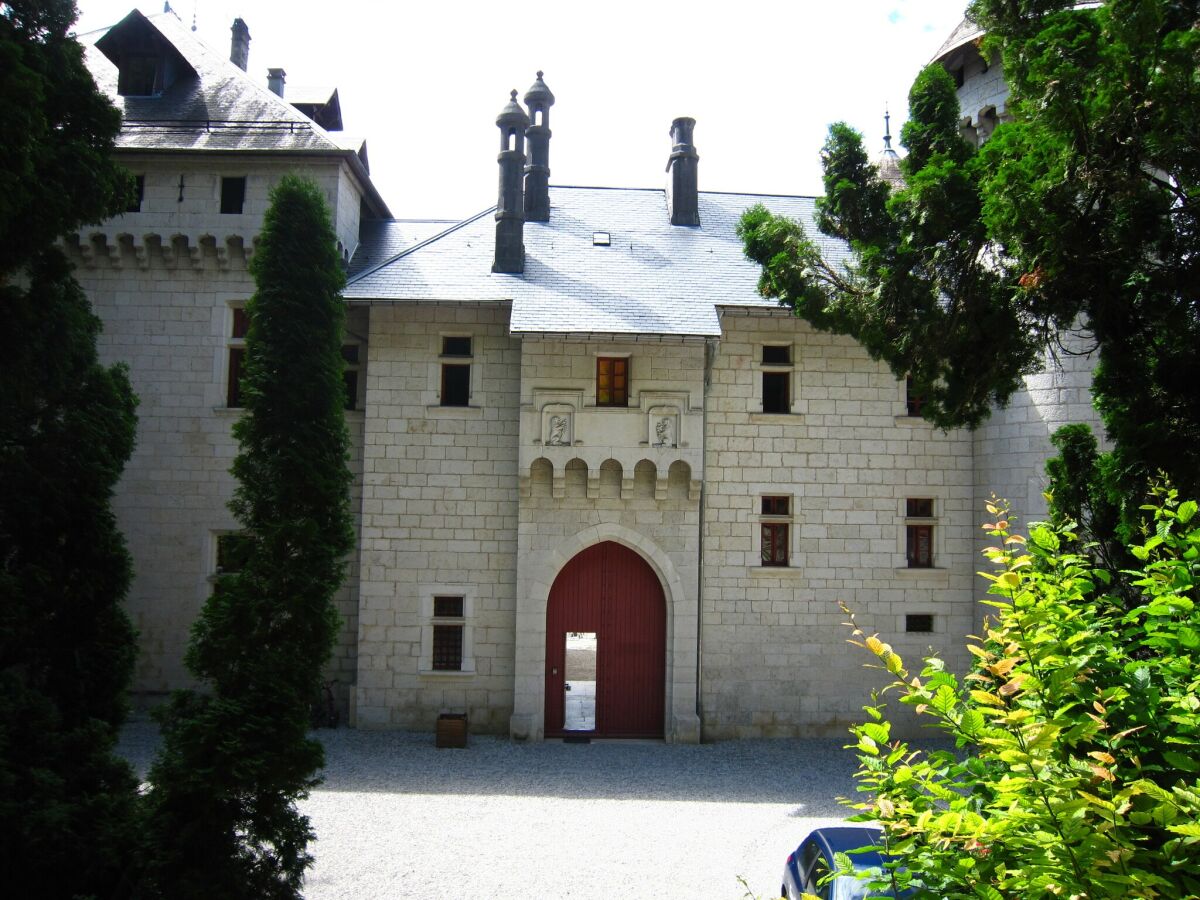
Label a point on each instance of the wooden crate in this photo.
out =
(451, 730)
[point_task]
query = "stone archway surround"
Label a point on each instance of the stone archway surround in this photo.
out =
(537, 568)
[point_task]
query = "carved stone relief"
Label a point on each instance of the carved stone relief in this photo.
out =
(558, 425)
(663, 422)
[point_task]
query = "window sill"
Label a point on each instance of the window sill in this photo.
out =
(912, 421)
(917, 571)
(229, 410)
(437, 411)
(777, 418)
(442, 674)
(776, 571)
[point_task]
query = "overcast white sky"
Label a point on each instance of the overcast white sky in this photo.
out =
(423, 82)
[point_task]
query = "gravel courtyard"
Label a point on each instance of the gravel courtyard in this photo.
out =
(398, 818)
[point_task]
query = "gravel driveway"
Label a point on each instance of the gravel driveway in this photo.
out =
(398, 818)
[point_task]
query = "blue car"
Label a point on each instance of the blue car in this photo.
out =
(813, 860)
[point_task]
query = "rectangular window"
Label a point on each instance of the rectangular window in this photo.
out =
(138, 75)
(233, 549)
(139, 194)
(456, 371)
(350, 354)
(233, 195)
(777, 392)
(777, 378)
(612, 381)
(919, 540)
(918, 622)
(237, 358)
(775, 529)
(912, 400)
(776, 355)
(448, 634)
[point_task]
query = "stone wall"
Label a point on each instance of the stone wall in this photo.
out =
(775, 658)
(165, 281)
(439, 517)
(613, 474)
(170, 321)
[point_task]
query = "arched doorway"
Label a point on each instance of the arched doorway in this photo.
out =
(609, 591)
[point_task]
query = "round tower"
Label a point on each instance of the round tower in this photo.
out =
(982, 90)
(538, 100)
(510, 207)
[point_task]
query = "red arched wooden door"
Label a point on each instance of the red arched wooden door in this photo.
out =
(610, 590)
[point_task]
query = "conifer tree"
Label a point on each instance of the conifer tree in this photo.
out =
(237, 756)
(1084, 208)
(67, 423)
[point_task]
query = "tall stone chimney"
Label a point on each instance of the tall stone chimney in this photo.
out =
(510, 207)
(537, 173)
(682, 185)
(276, 78)
(239, 46)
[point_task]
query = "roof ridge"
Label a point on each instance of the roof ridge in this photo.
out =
(417, 246)
(230, 69)
(609, 187)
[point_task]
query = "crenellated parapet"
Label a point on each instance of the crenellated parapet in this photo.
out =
(119, 249)
(612, 452)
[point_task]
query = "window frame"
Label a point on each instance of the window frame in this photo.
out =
(227, 199)
(133, 72)
(619, 397)
(139, 198)
(434, 620)
(920, 521)
(775, 531)
(913, 402)
(458, 362)
(235, 362)
(350, 373)
(779, 371)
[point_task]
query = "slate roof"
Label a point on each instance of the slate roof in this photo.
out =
(221, 109)
(654, 278)
(964, 33)
(381, 239)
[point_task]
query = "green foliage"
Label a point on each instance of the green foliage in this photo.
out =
(924, 292)
(1081, 209)
(1092, 192)
(1077, 771)
(68, 811)
(237, 757)
(55, 168)
(66, 646)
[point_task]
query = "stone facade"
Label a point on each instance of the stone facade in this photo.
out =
(166, 281)
(763, 471)
(439, 516)
(848, 457)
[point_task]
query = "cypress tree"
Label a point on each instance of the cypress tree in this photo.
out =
(67, 805)
(237, 755)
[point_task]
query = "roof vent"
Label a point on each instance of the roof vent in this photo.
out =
(601, 239)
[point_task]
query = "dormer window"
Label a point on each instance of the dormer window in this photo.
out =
(140, 75)
(147, 63)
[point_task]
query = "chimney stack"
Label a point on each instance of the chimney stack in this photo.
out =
(510, 207)
(682, 186)
(276, 78)
(239, 47)
(537, 173)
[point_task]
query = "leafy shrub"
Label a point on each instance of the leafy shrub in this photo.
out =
(1076, 771)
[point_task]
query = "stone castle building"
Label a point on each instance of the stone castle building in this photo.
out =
(571, 414)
